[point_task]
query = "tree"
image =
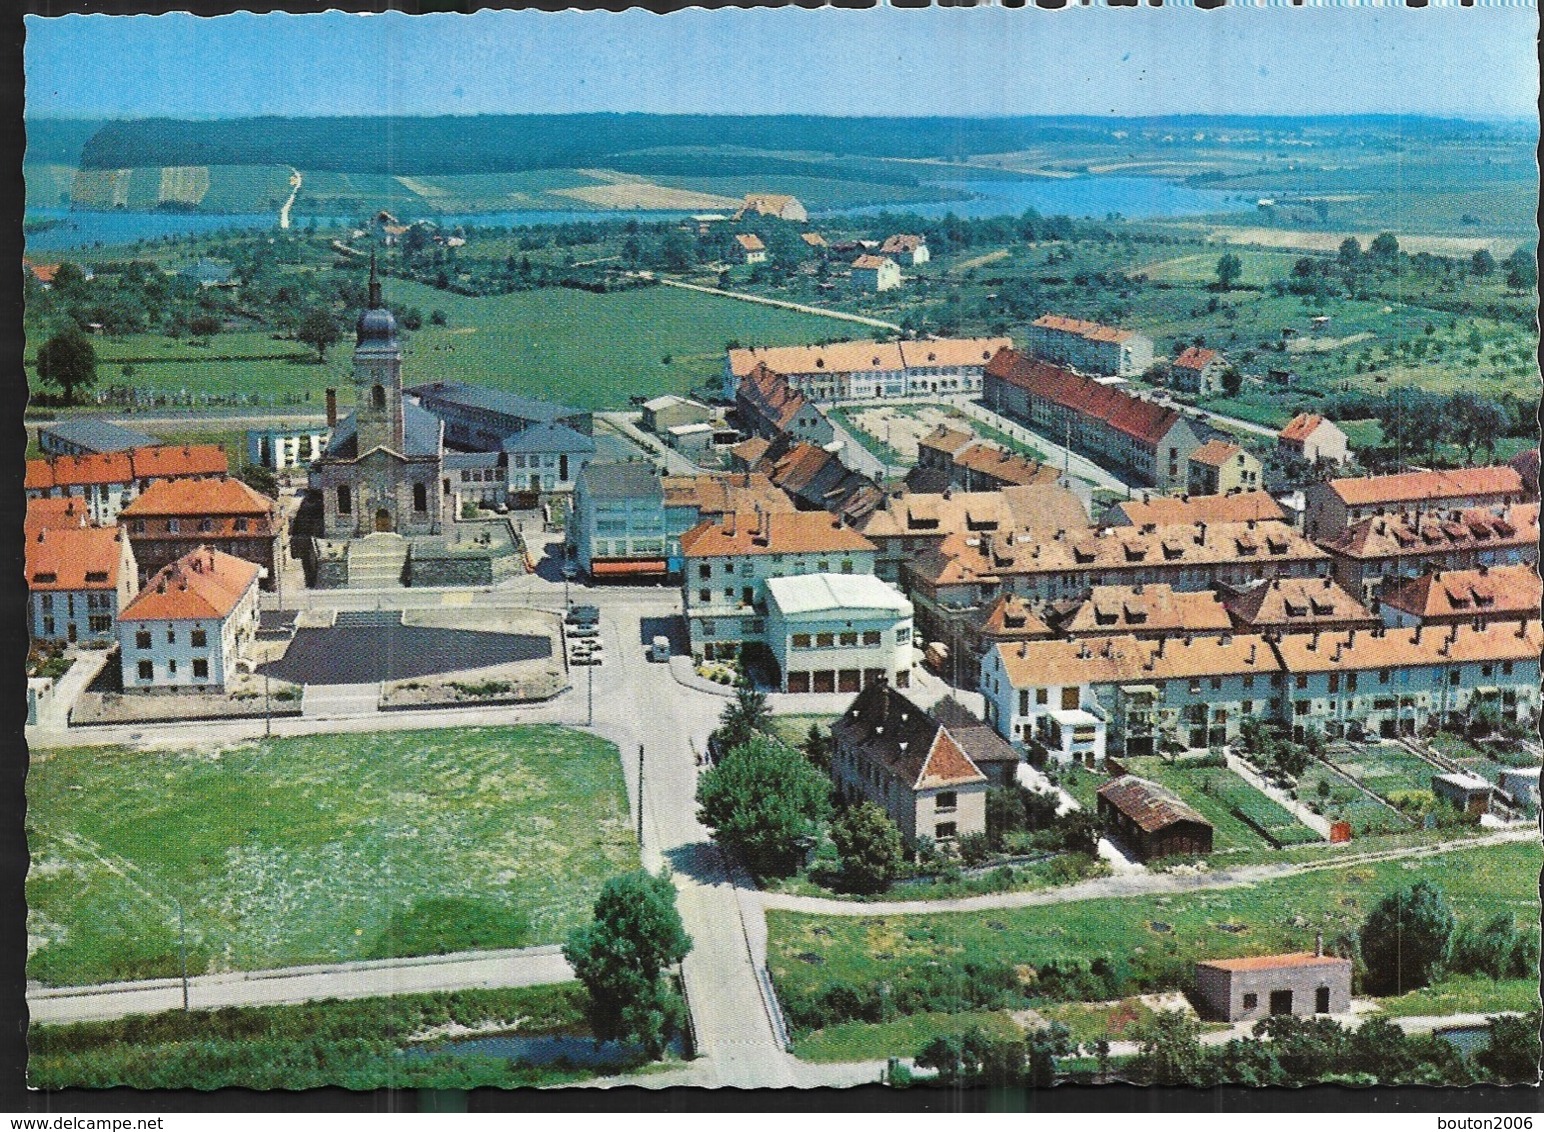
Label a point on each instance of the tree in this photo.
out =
(1482, 264)
(817, 746)
(1475, 422)
(765, 800)
(1171, 1049)
(1384, 249)
(620, 954)
(1416, 420)
(1229, 269)
(743, 718)
(870, 848)
(1406, 938)
(1350, 254)
(1522, 271)
(1042, 1048)
(67, 362)
(1080, 831)
(1232, 381)
(1512, 1057)
(318, 330)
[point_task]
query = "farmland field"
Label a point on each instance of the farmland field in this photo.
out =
(317, 849)
(1219, 794)
(1153, 939)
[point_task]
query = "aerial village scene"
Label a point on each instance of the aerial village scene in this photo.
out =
(753, 584)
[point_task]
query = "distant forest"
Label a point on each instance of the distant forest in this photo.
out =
(511, 143)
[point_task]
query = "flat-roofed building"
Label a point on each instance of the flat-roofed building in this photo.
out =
(838, 632)
(618, 529)
(87, 436)
(280, 449)
(1258, 986)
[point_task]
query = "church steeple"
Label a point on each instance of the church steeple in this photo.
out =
(377, 374)
(375, 285)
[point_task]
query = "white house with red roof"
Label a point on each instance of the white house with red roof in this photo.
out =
(1089, 346)
(875, 273)
(78, 577)
(906, 248)
(1197, 370)
(1314, 438)
(190, 624)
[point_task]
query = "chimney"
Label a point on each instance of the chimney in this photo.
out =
(1313, 642)
(729, 523)
(1415, 640)
(1350, 638)
(1252, 647)
(1318, 944)
(332, 408)
(1161, 641)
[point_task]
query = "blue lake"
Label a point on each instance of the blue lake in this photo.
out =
(1136, 198)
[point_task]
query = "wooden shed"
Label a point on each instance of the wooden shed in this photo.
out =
(1151, 821)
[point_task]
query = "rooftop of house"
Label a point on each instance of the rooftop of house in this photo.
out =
(1302, 426)
(925, 353)
(1093, 331)
(463, 395)
(54, 514)
(751, 450)
(1126, 659)
(998, 463)
(1488, 591)
(1234, 507)
(422, 435)
(973, 735)
(1216, 453)
(871, 262)
(964, 557)
(1149, 805)
(883, 726)
(813, 239)
(866, 356)
(1142, 420)
(1353, 649)
(1468, 783)
(669, 401)
(1431, 532)
(1275, 962)
(97, 435)
(204, 584)
(73, 558)
(902, 243)
(154, 462)
(635, 479)
(795, 532)
(1428, 486)
(767, 393)
(1146, 609)
(1196, 358)
(1292, 603)
(947, 440)
(819, 479)
(825, 593)
(750, 242)
(718, 493)
(219, 495)
(1010, 618)
(549, 436)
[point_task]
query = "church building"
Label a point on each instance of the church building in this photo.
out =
(383, 469)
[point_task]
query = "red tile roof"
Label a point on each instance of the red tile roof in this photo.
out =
(54, 515)
(206, 584)
(1489, 592)
(797, 532)
(1144, 420)
(202, 497)
(924, 353)
(1275, 962)
(1215, 453)
(902, 243)
(1196, 358)
(1301, 427)
(1297, 603)
(870, 262)
(1433, 532)
(157, 462)
(1093, 331)
(769, 395)
(1236, 508)
(751, 242)
(1417, 487)
(74, 558)
(1455, 644)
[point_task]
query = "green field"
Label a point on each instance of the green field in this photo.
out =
(864, 1041)
(1220, 795)
(1155, 938)
(1387, 769)
(317, 849)
(358, 1044)
(1344, 802)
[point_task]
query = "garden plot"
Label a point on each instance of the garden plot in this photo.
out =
(1238, 811)
(900, 430)
(1339, 799)
(1388, 770)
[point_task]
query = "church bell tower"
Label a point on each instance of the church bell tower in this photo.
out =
(377, 375)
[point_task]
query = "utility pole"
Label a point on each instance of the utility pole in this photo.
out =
(589, 705)
(182, 954)
(640, 795)
(267, 707)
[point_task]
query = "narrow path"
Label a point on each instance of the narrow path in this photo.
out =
(802, 308)
(1131, 884)
(466, 970)
(284, 213)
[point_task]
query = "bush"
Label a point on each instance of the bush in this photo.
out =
(1496, 949)
(974, 848)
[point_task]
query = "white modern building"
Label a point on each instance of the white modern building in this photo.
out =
(190, 624)
(838, 632)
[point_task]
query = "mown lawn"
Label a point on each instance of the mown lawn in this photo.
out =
(905, 1037)
(316, 849)
(1155, 939)
(372, 1043)
(1465, 994)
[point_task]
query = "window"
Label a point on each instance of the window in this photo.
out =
(378, 397)
(705, 570)
(709, 629)
(1042, 697)
(1383, 675)
(1251, 1001)
(200, 669)
(801, 640)
(242, 525)
(903, 634)
(1247, 707)
(146, 670)
(1334, 681)
(1506, 668)
(1195, 684)
(1302, 680)
(142, 639)
(848, 640)
(200, 638)
(1249, 681)
(420, 497)
(171, 668)
(944, 831)
(171, 636)
(871, 637)
(1487, 669)
(704, 596)
(48, 603)
(48, 626)
(345, 501)
(1454, 677)
(824, 640)
(137, 527)
(171, 526)
(1216, 683)
(847, 566)
(205, 526)
(97, 623)
(948, 800)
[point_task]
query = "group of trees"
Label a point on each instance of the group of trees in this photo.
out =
(1412, 938)
(1418, 422)
(1287, 1050)
(975, 1057)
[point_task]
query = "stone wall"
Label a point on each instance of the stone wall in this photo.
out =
(449, 569)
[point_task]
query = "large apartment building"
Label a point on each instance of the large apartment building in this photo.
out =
(1088, 346)
(1335, 505)
(78, 576)
(175, 517)
(1143, 440)
(726, 564)
(768, 406)
(107, 482)
(858, 370)
(1374, 552)
(190, 624)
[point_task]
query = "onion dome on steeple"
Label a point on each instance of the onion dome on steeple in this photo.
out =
(376, 324)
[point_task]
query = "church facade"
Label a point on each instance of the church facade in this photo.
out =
(384, 468)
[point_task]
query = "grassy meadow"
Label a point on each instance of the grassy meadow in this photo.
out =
(317, 849)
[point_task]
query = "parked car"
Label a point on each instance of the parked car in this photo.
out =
(659, 649)
(583, 615)
(574, 631)
(595, 656)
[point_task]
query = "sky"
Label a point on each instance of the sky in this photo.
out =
(1475, 62)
